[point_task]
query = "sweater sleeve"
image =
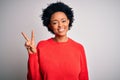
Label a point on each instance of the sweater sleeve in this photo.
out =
(84, 71)
(33, 67)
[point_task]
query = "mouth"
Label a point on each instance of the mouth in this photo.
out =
(61, 29)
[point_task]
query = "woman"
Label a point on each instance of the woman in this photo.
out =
(58, 58)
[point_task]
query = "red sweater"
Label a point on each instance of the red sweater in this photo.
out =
(58, 61)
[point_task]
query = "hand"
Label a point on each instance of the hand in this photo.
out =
(30, 43)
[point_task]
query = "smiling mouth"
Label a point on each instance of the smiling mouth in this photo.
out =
(61, 30)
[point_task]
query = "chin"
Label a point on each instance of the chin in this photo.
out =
(61, 34)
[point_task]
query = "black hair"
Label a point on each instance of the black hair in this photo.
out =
(56, 7)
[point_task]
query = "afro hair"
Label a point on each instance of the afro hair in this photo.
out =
(56, 7)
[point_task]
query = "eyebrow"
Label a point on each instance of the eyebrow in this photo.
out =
(57, 20)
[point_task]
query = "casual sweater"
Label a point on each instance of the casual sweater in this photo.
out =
(58, 61)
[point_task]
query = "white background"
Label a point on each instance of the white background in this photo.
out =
(96, 26)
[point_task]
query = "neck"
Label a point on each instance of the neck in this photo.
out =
(61, 38)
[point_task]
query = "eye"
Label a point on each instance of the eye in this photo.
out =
(54, 22)
(63, 21)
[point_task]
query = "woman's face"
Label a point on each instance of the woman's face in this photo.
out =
(59, 23)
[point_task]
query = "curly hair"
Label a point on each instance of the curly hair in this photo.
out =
(56, 7)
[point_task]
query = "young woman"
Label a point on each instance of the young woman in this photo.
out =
(57, 58)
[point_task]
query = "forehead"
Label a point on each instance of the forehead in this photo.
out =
(58, 15)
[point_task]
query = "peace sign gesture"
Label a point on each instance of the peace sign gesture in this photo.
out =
(30, 43)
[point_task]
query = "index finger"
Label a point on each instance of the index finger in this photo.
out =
(32, 36)
(25, 36)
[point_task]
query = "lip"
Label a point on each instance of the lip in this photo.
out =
(61, 30)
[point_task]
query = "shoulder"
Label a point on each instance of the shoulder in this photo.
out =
(76, 44)
(43, 43)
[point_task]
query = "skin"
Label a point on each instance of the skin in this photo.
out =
(30, 43)
(59, 23)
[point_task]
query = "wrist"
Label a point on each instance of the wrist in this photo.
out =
(31, 50)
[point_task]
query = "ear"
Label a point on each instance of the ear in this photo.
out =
(68, 21)
(49, 26)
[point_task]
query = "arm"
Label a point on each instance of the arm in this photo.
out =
(84, 71)
(33, 68)
(33, 62)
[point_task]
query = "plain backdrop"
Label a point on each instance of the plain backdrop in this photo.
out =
(96, 26)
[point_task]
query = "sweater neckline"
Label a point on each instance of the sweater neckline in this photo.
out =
(60, 43)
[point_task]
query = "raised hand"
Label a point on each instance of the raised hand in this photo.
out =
(30, 43)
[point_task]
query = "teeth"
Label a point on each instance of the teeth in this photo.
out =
(61, 30)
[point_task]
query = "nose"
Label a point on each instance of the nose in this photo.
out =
(60, 24)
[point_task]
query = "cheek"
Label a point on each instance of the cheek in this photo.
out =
(54, 28)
